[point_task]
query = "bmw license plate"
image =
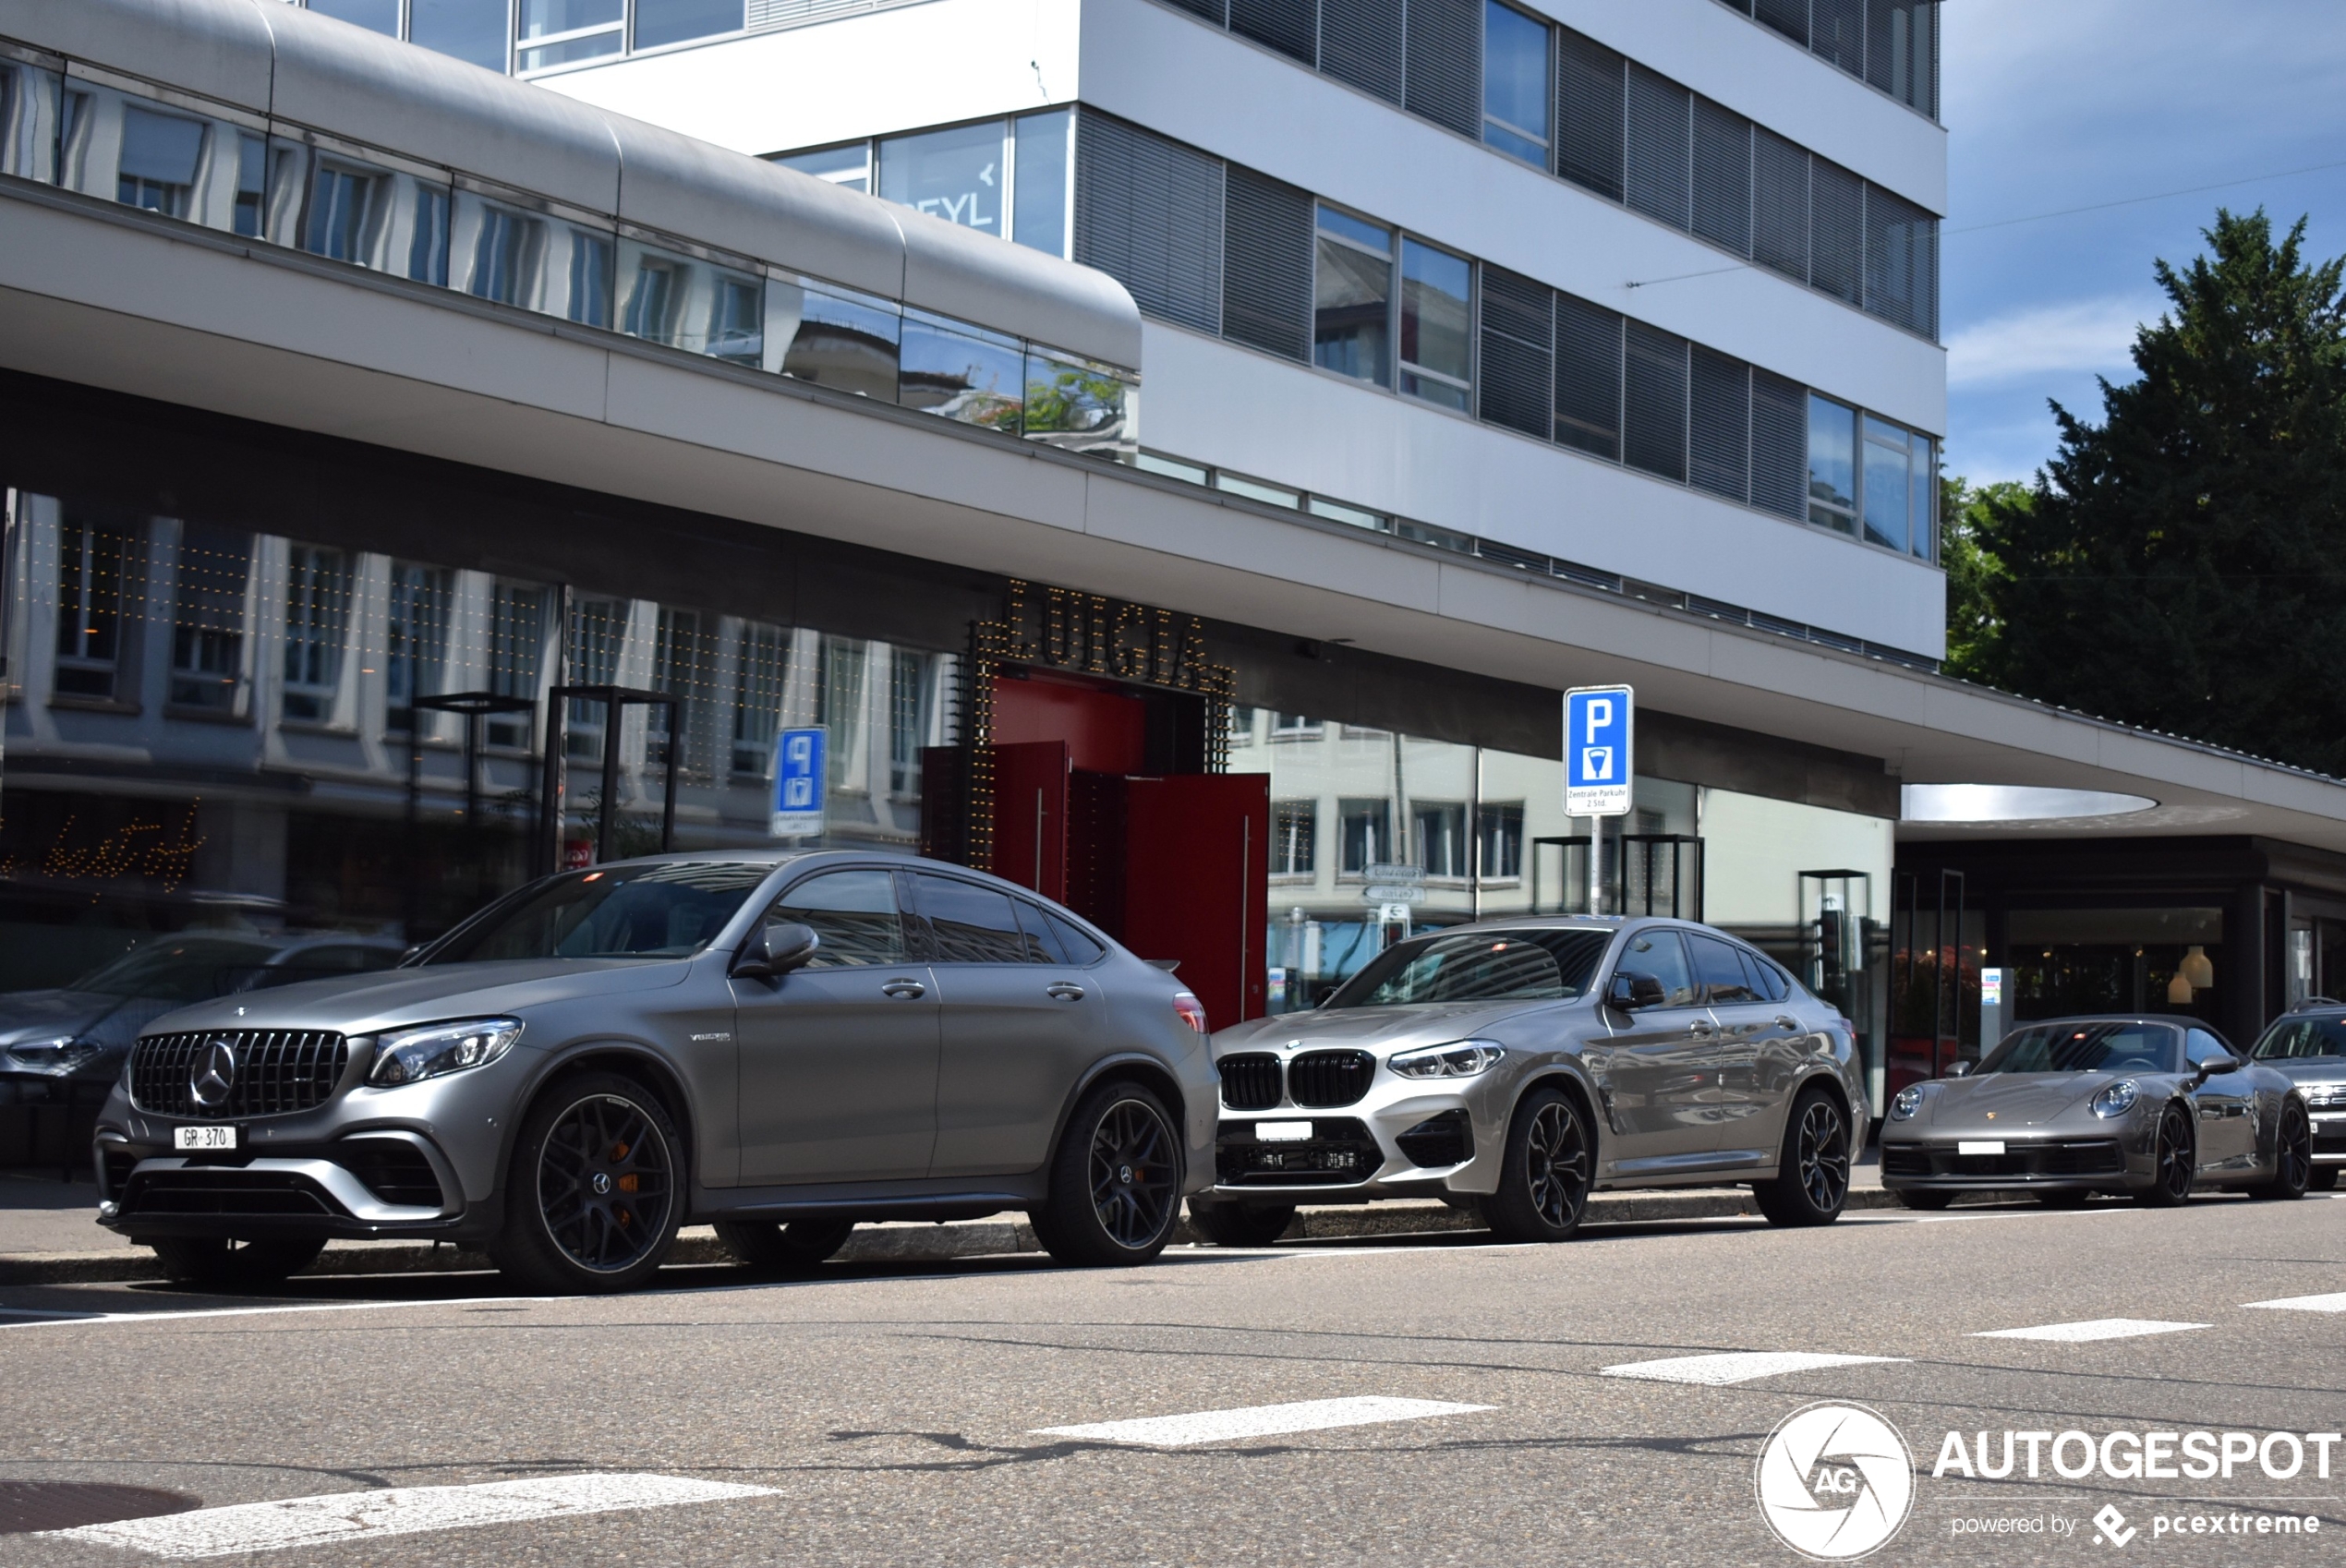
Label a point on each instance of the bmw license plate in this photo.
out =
(202, 1139)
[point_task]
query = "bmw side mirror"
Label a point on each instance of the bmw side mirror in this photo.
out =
(1629, 991)
(771, 951)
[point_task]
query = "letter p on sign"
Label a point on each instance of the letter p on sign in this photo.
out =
(1600, 758)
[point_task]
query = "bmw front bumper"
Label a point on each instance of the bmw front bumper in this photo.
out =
(1403, 1139)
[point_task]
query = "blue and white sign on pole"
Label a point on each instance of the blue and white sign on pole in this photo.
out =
(798, 782)
(1598, 746)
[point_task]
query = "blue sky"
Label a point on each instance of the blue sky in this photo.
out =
(2052, 104)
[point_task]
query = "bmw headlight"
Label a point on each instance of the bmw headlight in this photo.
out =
(1906, 1102)
(405, 1056)
(2116, 1099)
(1464, 1059)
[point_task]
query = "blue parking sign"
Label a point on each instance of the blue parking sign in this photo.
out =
(1598, 761)
(798, 782)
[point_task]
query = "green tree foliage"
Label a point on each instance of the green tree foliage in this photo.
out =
(2181, 565)
(1974, 573)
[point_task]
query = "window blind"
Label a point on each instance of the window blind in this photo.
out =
(1836, 230)
(1719, 425)
(1587, 360)
(1654, 423)
(1148, 213)
(1778, 445)
(1267, 264)
(1591, 82)
(1360, 43)
(1723, 177)
(1291, 27)
(1443, 60)
(1518, 354)
(1659, 114)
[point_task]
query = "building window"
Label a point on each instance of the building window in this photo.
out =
(1042, 191)
(761, 660)
(1499, 832)
(1367, 830)
(846, 664)
(1294, 838)
(1833, 480)
(1439, 827)
(598, 632)
(1352, 297)
(472, 30)
(955, 175)
(850, 166)
(317, 622)
(562, 32)
(672, 22)
(1514, 83)
(1888, 457)
(415, 638)
(1242, 725)
(207, 618)
(516, 647)
(677, 671)
(1295, 727)
(160, 154)
(375, 15)
(911, 706)
(92, 569)
(1437, 304)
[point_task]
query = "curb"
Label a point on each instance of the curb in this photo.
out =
(914, 1242)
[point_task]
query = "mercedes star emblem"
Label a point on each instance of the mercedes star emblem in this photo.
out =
(213, 1074)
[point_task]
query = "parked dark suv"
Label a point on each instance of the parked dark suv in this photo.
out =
(782, 1044)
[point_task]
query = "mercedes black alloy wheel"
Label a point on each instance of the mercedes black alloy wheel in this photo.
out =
(1545, 1171)
(1116, 1180)
(2175, 1161)
(1811, 1182)
(593, 1203)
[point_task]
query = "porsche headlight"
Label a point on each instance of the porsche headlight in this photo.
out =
(405, 1056)
(2116, 1099)
(1465, 1059)
(1906, 1102)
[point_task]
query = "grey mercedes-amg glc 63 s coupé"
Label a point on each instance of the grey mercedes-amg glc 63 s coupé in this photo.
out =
(781, 1044)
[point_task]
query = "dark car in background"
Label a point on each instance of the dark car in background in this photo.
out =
(2146, 1106)
(781, 1044)
(2307, 1045)
(80, 1033)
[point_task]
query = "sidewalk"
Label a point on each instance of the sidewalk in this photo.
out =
(49, 1232)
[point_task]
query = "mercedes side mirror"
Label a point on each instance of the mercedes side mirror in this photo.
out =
(1629, 991)
(771, 951)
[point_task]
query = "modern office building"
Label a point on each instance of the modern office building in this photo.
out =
(1175, 458)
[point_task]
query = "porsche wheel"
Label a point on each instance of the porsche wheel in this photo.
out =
(2175, 1161)
(2292, 1156)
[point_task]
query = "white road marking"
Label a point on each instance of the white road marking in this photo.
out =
(2028, 1215)
(1738, 1365)
(2090, 1329)
(2333, 1303)
(65, 1315)
(397, 1511)
(1261, 1420)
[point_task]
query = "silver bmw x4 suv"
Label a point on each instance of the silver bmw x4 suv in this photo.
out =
(1517, 1066)
(782, 1044)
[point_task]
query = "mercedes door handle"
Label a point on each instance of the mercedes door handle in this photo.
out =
(904, 990)
(1064, 991)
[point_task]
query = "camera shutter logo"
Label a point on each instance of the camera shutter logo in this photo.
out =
(1835, 1481)
(212, 1075)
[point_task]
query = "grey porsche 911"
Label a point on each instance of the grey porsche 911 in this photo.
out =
(2145, 1106)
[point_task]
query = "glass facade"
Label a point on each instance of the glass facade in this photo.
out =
(1353, 302)
(1011, 178)
(1514, 83)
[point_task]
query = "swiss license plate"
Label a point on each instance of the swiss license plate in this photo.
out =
(198, 1139)
(1979, 1146)
(1283, 1132)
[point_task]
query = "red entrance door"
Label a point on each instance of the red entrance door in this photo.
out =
(1196, 872)
(1030, 816)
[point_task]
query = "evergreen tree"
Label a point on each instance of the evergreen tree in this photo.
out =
(1973, 569)
(2181, 565)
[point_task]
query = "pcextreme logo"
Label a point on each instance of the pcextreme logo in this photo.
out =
(1835, 1481)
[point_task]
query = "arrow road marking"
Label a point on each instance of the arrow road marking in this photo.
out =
(2334, 1303)
(1261, 1420)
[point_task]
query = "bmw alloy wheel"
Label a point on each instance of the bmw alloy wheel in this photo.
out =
(605, 1181)
(1556, 1165)
(1823, 1158)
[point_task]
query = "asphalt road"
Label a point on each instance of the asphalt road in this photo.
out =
(892, 1416)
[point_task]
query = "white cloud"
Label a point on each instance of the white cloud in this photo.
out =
(2048, 339)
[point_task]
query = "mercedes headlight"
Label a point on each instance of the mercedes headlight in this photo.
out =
(2116, 1099)
(1906, 1102)
(404, 1056)
(60, 1056)
(1464, 1059)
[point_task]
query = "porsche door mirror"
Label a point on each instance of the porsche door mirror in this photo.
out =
(2215, 1064)
(1959, 1069)
(1629, 991)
